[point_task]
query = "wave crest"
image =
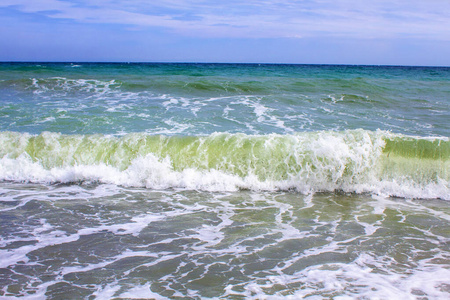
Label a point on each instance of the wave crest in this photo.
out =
(357, 161)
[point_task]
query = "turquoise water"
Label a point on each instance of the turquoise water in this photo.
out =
(201, 99)
(224, 181)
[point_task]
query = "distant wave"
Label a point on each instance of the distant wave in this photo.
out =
(202, 85)
(355, 161)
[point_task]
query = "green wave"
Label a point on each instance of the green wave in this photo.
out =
(420, 148)
(336, 157)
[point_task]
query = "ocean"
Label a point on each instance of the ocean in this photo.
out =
(224, 181)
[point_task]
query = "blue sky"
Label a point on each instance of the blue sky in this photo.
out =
(395, 32)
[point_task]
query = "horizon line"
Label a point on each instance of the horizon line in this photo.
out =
(221, 63)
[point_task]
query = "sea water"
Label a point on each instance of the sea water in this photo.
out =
(230, 181)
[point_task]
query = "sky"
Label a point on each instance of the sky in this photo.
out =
(368, 32)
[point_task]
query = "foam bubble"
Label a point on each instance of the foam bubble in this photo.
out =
(141, 292)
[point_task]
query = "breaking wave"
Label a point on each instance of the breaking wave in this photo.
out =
(354, 161)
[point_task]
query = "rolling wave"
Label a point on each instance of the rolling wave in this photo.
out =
(355, 161)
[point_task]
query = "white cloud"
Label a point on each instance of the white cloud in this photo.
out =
(257, 19)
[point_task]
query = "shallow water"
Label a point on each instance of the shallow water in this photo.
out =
(105, 241)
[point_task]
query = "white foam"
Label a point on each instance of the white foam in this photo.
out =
(176, 127)
(107, 292)
(352, 280)
(141, 292)
(61, 85)
(212, 235)
(44, 237)
(90, 267)
(11, 257)
(263, 113)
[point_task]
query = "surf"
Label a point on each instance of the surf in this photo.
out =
(352, 161)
